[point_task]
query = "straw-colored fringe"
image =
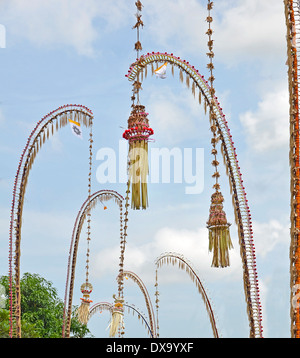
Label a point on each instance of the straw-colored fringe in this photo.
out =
(116, 322)
(200, 97)
(44, 133)
(193, 88)
(185, 267)
(138, 152)
(181, 75)
(187, 81)
(220, 243)
(83, 312)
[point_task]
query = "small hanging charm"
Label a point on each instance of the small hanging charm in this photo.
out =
(117, 316)
(138, 134)
(83, 311)
(219, 235)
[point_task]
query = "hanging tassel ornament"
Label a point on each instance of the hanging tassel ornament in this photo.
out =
(138, 134)
(117, 316)
(219, 235)
(83, 311)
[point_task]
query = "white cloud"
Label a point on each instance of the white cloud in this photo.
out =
(243, 29)
(192, 244)
(250, 28)
(69, 22)
(46, 233)
(268, 127)
(178, 22)
(269, 234)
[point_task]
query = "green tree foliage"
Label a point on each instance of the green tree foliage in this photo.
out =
(41, 310)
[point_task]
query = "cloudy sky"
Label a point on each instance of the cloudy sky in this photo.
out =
(63, 52)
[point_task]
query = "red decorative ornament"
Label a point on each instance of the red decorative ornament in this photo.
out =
(138, 134)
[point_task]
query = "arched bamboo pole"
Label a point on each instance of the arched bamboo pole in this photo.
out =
(239, 197)
(100, 306)
(135, 278)
(90, 203)
(42, 131)
(183, 264)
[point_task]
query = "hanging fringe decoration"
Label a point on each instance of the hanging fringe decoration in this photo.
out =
(137, 134)
(181, 75)
(187, 81)
(194, 89)
(219, 236)
(117, 316)
(83, 311)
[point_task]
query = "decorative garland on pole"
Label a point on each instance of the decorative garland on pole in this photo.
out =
(219, 236)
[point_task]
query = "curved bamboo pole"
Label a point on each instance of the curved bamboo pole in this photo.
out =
(100, 306)
(239, 197)
(135, 278)
(90, 203)
(292, 14)
(173, 258)
(42, 131)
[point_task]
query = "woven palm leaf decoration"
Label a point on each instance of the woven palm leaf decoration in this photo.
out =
(83, 312)
(117, 321)
(219, 235)
(137, 134)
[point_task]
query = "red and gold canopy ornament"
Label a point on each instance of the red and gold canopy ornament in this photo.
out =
(138, 134)
(219, 236)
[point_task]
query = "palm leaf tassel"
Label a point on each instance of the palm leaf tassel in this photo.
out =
(219, 235)
(117, 317)
(83, 311)
(137, 134)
